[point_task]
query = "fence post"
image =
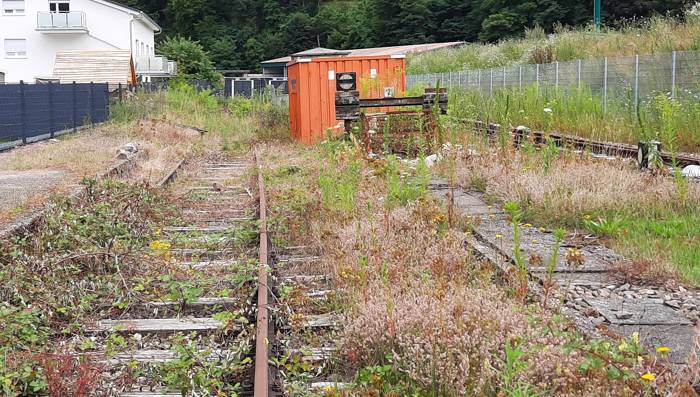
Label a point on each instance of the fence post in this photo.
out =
(504, 77)
(23, 111)
(479, 80)
(520, 77)
(556, 74)
(537, 74)
(92, 103)
(51, 126)
(605, 86)
(579, 74)
(491, 84)
(636, 82)
(673, 75)
(75, 107)
(121, 93)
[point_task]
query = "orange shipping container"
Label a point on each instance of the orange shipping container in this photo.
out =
(312, 89)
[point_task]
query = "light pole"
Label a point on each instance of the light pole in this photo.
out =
(596, 14)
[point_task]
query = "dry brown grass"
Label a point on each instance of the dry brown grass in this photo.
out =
(92, 151)
(412, 292)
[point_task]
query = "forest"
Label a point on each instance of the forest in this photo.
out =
(238, 34)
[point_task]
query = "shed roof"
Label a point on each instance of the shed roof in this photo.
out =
(111, 67)
(363, 52)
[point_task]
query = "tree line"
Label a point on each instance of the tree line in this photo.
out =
(238, 34)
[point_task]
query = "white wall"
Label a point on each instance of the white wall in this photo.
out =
(108, 29)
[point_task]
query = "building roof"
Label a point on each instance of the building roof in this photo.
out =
(378, 51)
(320, 52)
(133, 11)
(111, 67)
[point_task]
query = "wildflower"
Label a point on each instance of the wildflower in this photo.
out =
(648, 376)
(548, 110)
(635, 338)
(499, 236)
(527, 226)
(535, 241)
(587, 217)
(542, 230)
(623, 346)
(663, 349)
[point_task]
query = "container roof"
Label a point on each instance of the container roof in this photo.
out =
(365, 52)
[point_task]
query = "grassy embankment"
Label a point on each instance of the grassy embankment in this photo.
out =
(650, 219)
(581, 111)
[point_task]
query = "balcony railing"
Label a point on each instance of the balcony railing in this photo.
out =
(157, 64)
(61, 21)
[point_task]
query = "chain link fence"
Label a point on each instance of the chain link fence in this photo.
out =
(629, 80)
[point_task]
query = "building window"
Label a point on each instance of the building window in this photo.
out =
(137, 48)
(15, 48)
(13, 7)
(59, 6)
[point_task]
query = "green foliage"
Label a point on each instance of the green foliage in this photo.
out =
(405, 187)
(204, 372)
(22, 330)
(240, 34)
(193, 62)
(339, 187)
(516, 216)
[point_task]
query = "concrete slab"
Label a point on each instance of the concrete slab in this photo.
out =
(679, 338)
(637, 312)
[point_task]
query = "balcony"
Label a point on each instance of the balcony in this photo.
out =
(157, 65)
(61, 22)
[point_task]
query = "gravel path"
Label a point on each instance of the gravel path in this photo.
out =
(18, 186)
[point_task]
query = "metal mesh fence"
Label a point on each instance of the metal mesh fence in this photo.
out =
(628, 80)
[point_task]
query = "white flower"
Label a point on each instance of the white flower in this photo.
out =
(548, 110)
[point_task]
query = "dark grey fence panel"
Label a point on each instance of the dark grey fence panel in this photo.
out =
(37, 111)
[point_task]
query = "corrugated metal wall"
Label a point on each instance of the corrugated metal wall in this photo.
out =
(312, 90)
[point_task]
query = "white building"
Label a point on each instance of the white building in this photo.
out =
(33, 31)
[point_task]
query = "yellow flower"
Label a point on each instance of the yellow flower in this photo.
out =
(663, 349)
(543, 230)
(527, 225)
(648, 376)
(499, 236)
(587, 217)
(635, 338)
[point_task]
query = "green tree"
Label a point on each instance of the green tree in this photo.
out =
(192, 61)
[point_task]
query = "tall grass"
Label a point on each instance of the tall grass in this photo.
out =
(656, 35)
(580, 112)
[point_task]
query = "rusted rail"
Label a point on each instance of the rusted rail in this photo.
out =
(261, 385)
(563, 140)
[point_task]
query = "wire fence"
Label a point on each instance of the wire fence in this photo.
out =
(631, 79)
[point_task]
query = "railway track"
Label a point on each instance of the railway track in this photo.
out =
(228, 312)
(198, 337)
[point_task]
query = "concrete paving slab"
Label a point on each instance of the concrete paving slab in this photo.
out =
(679, 338)
(641, 311)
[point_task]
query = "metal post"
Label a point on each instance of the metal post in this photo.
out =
(479, 79)
(504, 77)
(121, 93)
(75, 107)
(605, 86)
(596, 14)
(23, 111)
(92, 103)
(491, 84)
(579, 74)
(556, 74)
(520, 77)
(537, 74)
(673, 75)
(636, 82)
(51, 126)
